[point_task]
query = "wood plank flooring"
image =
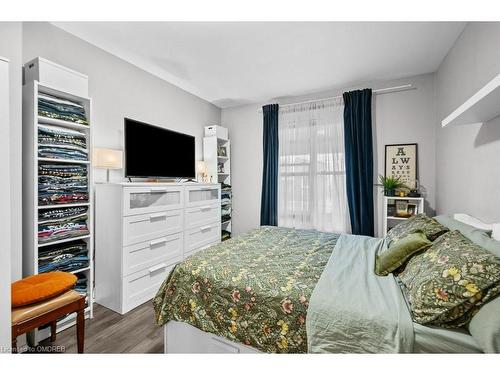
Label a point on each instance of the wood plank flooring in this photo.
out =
(110, 332)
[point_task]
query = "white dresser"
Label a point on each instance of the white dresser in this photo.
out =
(144, 229)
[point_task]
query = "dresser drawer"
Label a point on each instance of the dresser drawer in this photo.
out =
(142, 286)
(140, 228)
(202, 195)
(139, 200)
(201, 215)
(196, 238)
(146, 254)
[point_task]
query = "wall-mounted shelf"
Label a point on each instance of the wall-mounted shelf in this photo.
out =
(481, 107)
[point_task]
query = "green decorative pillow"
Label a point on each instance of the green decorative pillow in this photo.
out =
(399, 253)
(448, 283)
(430, 227)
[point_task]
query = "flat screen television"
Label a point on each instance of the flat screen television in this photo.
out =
(155, 152)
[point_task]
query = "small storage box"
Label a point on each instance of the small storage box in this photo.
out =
(216, 131)
(56, 76)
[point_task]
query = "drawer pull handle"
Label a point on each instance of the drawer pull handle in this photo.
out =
(157, 216)
(205, 228)
(158, 190)
(157, 242)
(157, 268)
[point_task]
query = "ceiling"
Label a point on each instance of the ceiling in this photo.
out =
(235, 63)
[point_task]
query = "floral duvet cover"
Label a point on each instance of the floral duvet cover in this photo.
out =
(253, 289)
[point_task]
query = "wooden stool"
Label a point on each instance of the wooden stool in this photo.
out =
(30, 317)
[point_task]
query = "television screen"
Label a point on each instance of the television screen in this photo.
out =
(152, 151)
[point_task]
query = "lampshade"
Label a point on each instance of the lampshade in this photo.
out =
(108, 158)
(201, 166)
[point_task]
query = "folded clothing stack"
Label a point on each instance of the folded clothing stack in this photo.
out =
(58, 184)
(61, 109)
(61, 143)
(69, 256)
(58, 224)
(81, 284)
(225, 235)
(225, 211)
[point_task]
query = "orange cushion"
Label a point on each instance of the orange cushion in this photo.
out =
(40, 287)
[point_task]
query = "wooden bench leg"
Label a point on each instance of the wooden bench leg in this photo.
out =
(53, 331)
(14, 344)
(80, 330)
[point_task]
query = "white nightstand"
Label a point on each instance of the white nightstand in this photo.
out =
(390, 219)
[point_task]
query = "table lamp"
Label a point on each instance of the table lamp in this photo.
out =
(201, 168)
(107, 158)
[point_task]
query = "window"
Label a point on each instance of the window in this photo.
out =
(312, 193)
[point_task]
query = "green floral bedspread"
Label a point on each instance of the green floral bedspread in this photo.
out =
(252, 289)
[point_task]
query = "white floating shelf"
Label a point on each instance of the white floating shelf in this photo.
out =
(481, 107)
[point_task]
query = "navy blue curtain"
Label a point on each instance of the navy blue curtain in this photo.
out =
(359, 159)
(269, 197)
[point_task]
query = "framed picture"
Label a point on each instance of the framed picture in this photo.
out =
(401, 161)
(412, 209)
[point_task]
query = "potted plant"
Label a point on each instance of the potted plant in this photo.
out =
(390, 184)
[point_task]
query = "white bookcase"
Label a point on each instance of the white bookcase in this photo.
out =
(217, 155)
(31, 206)
(391, 219)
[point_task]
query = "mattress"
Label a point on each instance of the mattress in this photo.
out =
(429, 339)
(253, 289)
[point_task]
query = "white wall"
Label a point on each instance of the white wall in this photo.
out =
(468, 176)
(119, 89)
(400, 117)
(11, 48)
(5, 322)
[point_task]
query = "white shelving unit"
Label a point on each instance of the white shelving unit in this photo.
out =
(31, 206)
(219, 169)
(392, 220)
(481, 107)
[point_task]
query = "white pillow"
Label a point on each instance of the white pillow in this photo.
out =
(471, 220)
(496, 232)
(475, 222)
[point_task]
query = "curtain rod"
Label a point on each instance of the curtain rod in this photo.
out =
(386, 90)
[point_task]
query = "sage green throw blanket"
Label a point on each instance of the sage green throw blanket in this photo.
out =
(253, 289)
(352, 310)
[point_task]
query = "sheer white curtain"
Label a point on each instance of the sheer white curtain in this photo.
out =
(311, 184)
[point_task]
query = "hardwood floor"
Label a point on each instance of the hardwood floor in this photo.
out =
(110, 332)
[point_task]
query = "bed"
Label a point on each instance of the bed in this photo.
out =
(248, 295)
